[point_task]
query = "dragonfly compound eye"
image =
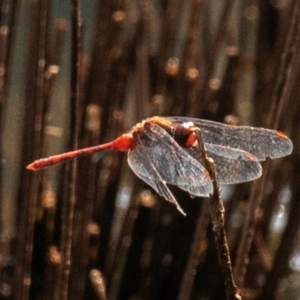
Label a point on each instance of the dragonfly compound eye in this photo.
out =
(184, 134)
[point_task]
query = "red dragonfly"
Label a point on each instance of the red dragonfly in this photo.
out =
(164, 150)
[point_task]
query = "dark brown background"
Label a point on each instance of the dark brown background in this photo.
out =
(229, 61)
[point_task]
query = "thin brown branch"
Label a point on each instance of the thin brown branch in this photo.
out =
(29, 187)
(217, 215)
(202, 223)
(282, 91)
(98, 283)
(71, 171)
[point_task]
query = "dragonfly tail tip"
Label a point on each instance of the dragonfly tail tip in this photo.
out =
(31, 167)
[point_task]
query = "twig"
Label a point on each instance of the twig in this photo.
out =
(98, 283)
(282, 90)
(280, 267)
(202, 223)
(121, 254)
(30, 183)
(217, 215)
(7, 42)
(289, 67)
(67, 234)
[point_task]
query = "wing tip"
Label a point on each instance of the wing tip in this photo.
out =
(285, 149)
(181, 210)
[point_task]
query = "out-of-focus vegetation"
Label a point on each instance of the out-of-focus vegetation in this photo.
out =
(231, 61)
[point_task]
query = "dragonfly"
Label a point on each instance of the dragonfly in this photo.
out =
(164, 151)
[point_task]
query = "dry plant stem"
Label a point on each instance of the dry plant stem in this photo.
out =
(248, 231)
(120, 259)
(193, 53)
(5, 62)
(98, 283)
(31, 182)
(286, 78)
(281, 267)
(191, 268)
(221, 35)
(68, 220)
(289, 67)
(216, 46)
(217, 215)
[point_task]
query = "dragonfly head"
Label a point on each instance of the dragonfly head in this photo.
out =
(185, 135)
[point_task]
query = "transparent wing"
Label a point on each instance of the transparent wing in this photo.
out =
(143, 167)
(260, 142)
(156, 152)
(232, 165)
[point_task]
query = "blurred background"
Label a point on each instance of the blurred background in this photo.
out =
(109, 236)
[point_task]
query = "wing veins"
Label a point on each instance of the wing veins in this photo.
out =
(161, 188)
(203, 187)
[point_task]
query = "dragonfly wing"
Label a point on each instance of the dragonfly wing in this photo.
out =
(260, 142)
(169, 160)
(232, 165)
(143, 167)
